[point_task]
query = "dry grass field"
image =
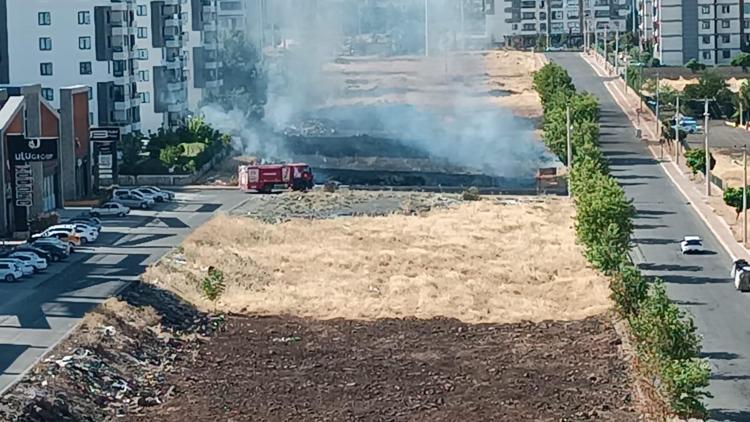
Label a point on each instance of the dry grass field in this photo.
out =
(478, 262)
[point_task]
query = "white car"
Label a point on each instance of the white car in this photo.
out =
(158, 194)
(23, 266)
(9, 272)
(110, 209)
(691, 244)
(167, 194)
(39, 264)
(88, 234)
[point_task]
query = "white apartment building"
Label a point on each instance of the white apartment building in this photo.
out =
(522, 23)
(82, 42)
(232, 17)
(203, 49)
(710, 31)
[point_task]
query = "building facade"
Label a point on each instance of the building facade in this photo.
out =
(709, 31)
(522, 23)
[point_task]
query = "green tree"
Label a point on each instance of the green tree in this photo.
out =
(170, 155)
(131, 147)
(695, 66)
(733, 198)
(696, 160)
(629, 290)
(667, 130)
(552, 80)
(742, 60)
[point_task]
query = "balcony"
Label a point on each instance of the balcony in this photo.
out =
(209, 8)
(120, 55)
(136, 127)
(179, 107)
(210, 26)
(214, 84)
(172, 2)
(122, 105)
(176, 86)
(173, 21)
(175, 64)
(213, 65)
(175, 42)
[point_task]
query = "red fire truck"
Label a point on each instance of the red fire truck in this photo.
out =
(264, 178)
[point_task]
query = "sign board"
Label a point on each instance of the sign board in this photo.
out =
(104, 141)
(24, 150)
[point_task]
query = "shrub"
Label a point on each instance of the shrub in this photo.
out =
(696, 160)
(684, 382)
(213, 284)
(471, 194)
(629, 290)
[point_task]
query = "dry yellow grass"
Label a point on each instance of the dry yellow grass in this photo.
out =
(479, 262)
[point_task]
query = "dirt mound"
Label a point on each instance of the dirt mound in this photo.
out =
(291, 369)
(490, 261)
(114, 363)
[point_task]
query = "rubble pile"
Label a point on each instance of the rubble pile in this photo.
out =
(310, 127)
(115, 364)
(343, 203)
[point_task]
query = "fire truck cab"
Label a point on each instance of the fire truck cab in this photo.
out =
(265, 178)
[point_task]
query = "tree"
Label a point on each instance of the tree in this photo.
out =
(733, 198)
(170, 155)
(629, 290)
(695, 66)
(742, 98)
(131, 147)
(668, 130)
(696, 160)
(742, 60)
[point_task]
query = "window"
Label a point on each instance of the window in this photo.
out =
(725, 23)
(48, 94)
(706, 24)
(91, 93)
(706, 39)
(725, 38)
(84, 43)
(91, 118)
(529, 27)
(142, 32)
(726, 54)
(725, 8)
(84, 18)
(142, 54)
(543, 27)
(515, 27)
(141, 10)
(85, 68)
(528, 15)
(705, 10)
(143, 75)
(45, 18)
(45, 69)
(145, 97)
(45, 44)
(707, 55)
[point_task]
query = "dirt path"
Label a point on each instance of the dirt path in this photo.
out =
(292, 369)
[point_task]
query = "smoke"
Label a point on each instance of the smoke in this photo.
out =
(312, 36)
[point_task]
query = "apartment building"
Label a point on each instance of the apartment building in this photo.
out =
(522, 22)
(232, 17)
(161, 46)
(710, 31)
(62, 43)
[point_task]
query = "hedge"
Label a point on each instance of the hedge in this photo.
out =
(665, 338)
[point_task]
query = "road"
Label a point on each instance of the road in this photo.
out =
(720, 136)
(699, 284)
(38, 312)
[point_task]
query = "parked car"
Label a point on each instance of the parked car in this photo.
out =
(58, 250)
(87, 233)
(25, 267)
(41, 253)
(691, 244)
(110, 209)
(160, 194)
(64, 234)
(9, 272)
(91, 221)
(134, 200)
(688, 124)
(39, 264)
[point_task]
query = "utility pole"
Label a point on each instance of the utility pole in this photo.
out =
(742, 117)
(569, 145)
(617, 52)
(606, 47)
(677, 132)
(708, 154)
(744, 195)
(426, 30)
(658, 122)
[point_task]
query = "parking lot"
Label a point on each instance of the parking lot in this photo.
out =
(38, 310)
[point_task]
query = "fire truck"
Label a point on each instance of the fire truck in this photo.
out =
(264, 178)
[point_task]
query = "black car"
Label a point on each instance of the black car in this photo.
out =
(41, 253)
(57, 253)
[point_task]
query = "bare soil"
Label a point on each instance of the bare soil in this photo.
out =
(292, 369)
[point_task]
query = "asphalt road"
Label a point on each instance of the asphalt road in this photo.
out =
(720, 136)
(37, 312)
(699, 284)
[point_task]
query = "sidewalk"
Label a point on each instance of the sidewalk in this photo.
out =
(679, 174)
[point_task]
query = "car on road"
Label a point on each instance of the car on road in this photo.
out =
(688, 124)
(25, 267)
(133, 200)
(9, 272)
(58, 250)
(65, 235)
(691, 244)
(158, 194)
(87, 233)
(39, 264)
(82, 219)
(110, 209)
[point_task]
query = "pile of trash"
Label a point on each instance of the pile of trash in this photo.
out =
(115, 363)
(310, 127)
